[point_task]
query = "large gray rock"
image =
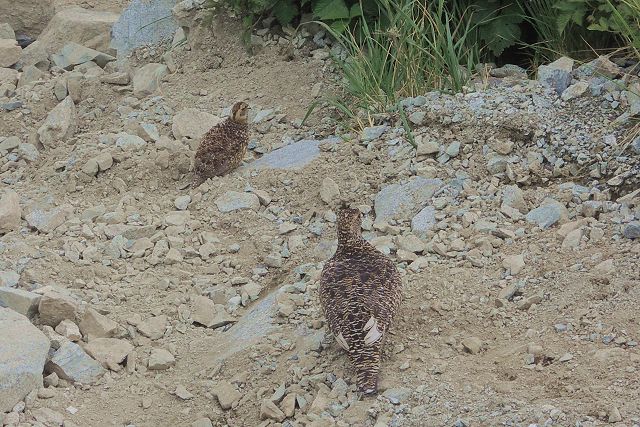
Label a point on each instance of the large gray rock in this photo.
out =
(23, 352)
(632, 230)
(146, 80)
(293, 156)
(55, 307)
(73, 54)
(402, 201)
(26, 16)
(45, 221)
(234, 200)
(548, 213)
(71, 363)
(143, 23)
(20, 301)
(60, 124)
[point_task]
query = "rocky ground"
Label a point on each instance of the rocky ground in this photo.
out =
(132, 299)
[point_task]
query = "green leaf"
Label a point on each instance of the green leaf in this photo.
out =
(339, 25)
(285, 11)
(327, 10)
(356, 10)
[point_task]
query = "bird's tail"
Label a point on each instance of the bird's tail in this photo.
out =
(367, 378)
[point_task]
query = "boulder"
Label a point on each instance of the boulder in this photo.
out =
(71, 363)
(89, 28)
(207, 313)
(234, 200)
(10, 212)
(9, 52)
(22, 357)
(6, 32)
(20, 301)
(146, 80)
(291, 157)
(27, 16)
(143, 23)
(60, 124)
(192, 123)
(73, 54)
(36, 55)
(95, 325)
(55, 307)
(110, 352)
(402, 201)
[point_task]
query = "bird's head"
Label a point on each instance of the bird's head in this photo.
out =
(349, 222)
(240, 112)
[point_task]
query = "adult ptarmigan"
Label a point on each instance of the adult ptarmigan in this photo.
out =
(223, 147)
(360, 292)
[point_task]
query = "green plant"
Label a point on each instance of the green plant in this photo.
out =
(498, 24)
(414, 47)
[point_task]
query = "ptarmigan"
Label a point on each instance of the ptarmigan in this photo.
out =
(223, 147)
(360, 292)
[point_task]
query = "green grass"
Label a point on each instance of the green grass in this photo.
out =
(413, 48)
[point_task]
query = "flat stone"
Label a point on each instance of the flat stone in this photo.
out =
(48, 417)
(548, 213)
(572, 239)
(147, 79)
(45, 221)
(29, 152)
(209, 314)
(20, 301)
(555, 78)
(55, 307)
(329, 190)
(397, 395)
(22, 357)
(143, 23)
(8, 75)
(192, 123)
(160, 359)
(514, 264)
(423, 221)
(71, 363)
(632, 230)
(182, 202)
(8, 278)
(108, 351)
(95, 325)
(472, 345)
(226, 394)
(10, 212)
(599, 67)
(202, 422)
(427, 147)
(294, 156)
(234, 200)
(183, 393)
(117, 78)
(373, 132)
(130, 142)
(153, 327)
(576, 90)
(270, 411)
(513, 197)
(9, 52)
(401, 201)
(69, 330)
(60, 124)
(74, 54)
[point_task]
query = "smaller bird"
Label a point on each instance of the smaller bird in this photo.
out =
(360, 292)
(223, 147)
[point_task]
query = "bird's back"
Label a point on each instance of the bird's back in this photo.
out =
(360, 292)
(221, 150)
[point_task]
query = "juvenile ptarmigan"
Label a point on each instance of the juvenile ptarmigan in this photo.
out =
(223, 147)
(360, 291)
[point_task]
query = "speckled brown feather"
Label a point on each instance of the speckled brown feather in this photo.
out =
(221, 150)
(357, 284)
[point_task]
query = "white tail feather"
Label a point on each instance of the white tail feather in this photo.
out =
(343, 343)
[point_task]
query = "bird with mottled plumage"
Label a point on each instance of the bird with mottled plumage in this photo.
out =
(223, 147)
(360, 292)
